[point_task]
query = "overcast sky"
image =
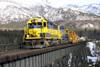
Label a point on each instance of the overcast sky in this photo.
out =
(76, 2)
(56, 3)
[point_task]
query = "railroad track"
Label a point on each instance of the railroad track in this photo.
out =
(15, 48)
(36, 49)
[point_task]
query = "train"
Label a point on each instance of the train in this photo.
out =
(40, 33)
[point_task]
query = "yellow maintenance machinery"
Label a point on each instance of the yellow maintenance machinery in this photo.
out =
(72, 36)
(39, 33)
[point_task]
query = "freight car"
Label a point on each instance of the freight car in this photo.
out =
(39, 33)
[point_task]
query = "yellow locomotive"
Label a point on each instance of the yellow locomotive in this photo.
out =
(40, 33)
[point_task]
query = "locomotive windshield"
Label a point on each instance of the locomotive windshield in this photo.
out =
(62, 28)
(35, 25)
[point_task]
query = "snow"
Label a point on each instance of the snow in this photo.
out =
(12, 11)
(4, 5)
(91, 8)
(92, 47)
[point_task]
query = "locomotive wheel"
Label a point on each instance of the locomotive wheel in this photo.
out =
(59, 42)
(54, 42)
(45, 43)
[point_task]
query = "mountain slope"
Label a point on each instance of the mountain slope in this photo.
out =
(13, 15)
(91, 8)
(12, 12)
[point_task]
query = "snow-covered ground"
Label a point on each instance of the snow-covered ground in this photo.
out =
(93, 50)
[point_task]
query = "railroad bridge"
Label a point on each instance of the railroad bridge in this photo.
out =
(56, 56)
(67, 55)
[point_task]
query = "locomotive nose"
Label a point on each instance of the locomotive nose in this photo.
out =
(32, 33)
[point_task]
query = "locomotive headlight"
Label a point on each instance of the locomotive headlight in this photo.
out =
(27, 35)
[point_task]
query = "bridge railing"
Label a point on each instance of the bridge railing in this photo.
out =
(34, 57)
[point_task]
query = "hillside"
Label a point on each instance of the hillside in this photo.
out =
(14, 15)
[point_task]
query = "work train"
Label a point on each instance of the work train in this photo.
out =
(39, 33)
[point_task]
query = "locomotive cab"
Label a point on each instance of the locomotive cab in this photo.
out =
(34, 33)
(36, 28)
